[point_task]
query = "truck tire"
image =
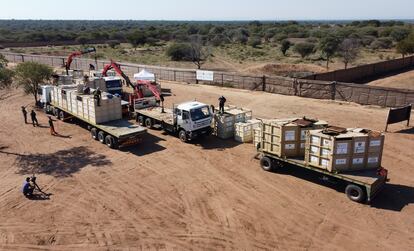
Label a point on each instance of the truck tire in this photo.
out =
(94, 133)
(62, 115)
(355, 193)
(111, 142)
(101, 137)
(266, 164)
(148, 122)
(140, 120)
(48, 109)
(182, 135)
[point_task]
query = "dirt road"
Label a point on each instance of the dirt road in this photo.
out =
(212, 194)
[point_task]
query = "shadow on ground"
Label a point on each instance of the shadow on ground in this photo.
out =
(406, 131)
(62, 163)
(148, 145)
(212, 142)
(394, 197)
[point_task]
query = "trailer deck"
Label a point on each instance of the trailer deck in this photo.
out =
(156, 113)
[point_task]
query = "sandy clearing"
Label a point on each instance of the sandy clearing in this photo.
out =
(402, 81)
(211, 194)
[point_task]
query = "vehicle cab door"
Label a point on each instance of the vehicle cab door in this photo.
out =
(183, 120)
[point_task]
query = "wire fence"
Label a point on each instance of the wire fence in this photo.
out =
(361, 94)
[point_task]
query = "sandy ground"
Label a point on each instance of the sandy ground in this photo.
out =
(403, 81)
(212, 194)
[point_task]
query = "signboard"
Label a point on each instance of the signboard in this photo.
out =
(397, 115)
(205, 75)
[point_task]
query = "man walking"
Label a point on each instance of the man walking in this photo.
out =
(52, 127)
(24, 114)
(222, 101)
(34, 119)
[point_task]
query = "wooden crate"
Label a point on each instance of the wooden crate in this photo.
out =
(280, 139)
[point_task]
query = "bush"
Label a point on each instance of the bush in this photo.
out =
(254, 42)
(178, 51)
(113, 43)
(381, 43)
(399, 34)
(304, 49)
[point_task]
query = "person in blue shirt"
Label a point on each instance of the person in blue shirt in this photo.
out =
(27, 188)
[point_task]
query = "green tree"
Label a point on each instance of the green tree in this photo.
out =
(329, 46)
(178, 51)
(286, 44)
(349, 50)
(29, 75)
(406, 46)
(137, 38)
(6, 78)
(399, 33)
(3, 61)
(304, 49)
(82, 40)
(254, 41)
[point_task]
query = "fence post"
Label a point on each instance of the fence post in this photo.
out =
(333, 90)
(264, 83)
(63, 61)
(22, 58)
(175, 75)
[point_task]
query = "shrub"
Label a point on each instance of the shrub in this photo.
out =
(254, 42)
(178, 51)
(304, 49)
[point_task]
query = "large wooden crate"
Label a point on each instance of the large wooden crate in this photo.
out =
(280, 139)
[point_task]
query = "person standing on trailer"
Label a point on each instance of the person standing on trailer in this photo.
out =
(24, 114)
(97, 96)
(222, 101)
(34, 119)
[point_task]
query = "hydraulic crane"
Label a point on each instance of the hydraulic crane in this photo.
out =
(77, 54)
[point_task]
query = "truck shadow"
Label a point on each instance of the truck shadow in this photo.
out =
(148, 145)
(215, 143)
(394, 197)
(59, 164)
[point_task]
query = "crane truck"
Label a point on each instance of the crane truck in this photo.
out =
(77, 54)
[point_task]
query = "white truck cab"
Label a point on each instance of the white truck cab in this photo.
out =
(194, 118)
(113, 83)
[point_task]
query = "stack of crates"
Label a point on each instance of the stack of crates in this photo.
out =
(224, 124)
(243, 131)
(341, 150)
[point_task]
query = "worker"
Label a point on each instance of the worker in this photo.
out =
(24, 114)
(52, 127)
(27, 188)
(222, 101)
(34, 185)
(34, 119)
(97, 96)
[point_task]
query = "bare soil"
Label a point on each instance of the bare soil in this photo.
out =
(209, 194)
(402, 81)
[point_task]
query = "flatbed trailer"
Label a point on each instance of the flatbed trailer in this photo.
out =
(361, 186)
(115, 134)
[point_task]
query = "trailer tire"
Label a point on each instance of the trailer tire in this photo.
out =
(266, 163)
(140, 120)
(182, 135)
(148, 122)
(355, 193)
(62, 115)
(111, 142)
(48, 109)
(94, 133)
(101, 137)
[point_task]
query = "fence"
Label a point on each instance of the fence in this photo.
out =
(361, 94)
(365, 73)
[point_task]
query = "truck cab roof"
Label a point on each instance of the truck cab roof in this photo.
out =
(190, 105)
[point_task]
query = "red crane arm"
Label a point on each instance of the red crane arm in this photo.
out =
(77, 54)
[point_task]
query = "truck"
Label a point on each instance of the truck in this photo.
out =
(115, 134)
(360, 186)
(188, 120)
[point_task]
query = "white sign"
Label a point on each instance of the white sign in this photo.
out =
(290, 146)
(342, 148)
(290, 136)
(205, 75)
(340, 161)
(375, 143)
(359, 147)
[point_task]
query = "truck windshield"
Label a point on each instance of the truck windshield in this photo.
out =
(200, 113)
(113, 83)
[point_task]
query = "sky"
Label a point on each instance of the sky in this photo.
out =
(207, 9)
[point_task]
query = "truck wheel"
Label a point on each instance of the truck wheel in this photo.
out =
(48, 109)
(266, 164)
(140, 120)
(148, 122)
(355, 193)
(101, 137)
(182, 135)
(111, 142)
(94, 133)
(62, 115)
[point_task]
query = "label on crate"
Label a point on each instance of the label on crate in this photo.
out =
(302, 145)
(303, 135)
(359, 147)
(376, 142)
(325, 152)
(314, 149)
(342, 148)
(289, 146)
(315, 140)
(340, 161)
(290, 136)
(326, 142)
(314, 159)
(373, 160)
(357, 161)
(324, 162)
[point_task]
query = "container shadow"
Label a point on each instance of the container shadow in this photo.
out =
(406, 131)
(59, 164)
(394, 197)
(148, 145)
(214, 143)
